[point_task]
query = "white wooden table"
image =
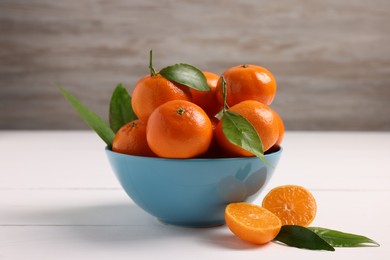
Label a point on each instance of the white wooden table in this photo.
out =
(60, 200)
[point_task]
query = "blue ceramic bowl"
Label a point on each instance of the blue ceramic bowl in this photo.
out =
(191, 192)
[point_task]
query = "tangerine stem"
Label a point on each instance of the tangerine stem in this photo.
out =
(180, 111)
(225, 106)
(152, 71)
(245, 65)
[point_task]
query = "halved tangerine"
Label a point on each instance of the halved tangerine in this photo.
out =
(252, 223)
(293, 204)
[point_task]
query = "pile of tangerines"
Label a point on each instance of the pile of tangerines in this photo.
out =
(176, 121)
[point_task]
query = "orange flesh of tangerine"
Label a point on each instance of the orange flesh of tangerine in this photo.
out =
(294, 205)
(252, 223)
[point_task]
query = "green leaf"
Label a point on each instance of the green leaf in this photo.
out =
(121, 111)
(187, 75)
(341, 239)
(239, 131)
(301, 237)
(92, 119)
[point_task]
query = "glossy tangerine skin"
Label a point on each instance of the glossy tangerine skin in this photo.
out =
(247, 82)
(281, 128)
(131, 139)
(179, 129)
(263, 120)
(153, 91)
(208, 99)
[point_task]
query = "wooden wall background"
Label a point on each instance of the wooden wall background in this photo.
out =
(331, 58)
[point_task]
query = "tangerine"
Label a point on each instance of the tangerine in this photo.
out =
(247, 82)
(207, 99)
(152, 91)
(293, 204)
(252, 223)
(214, 150)
(179, 129)
(263, 120)
(281, 128)
(131, 139)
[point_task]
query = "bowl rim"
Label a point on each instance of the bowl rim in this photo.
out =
(267, 156)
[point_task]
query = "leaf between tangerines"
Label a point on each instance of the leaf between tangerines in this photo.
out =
(92, 119)
(121, 111)
(340, 239)
(301, 237)
(239, 131)
(187, 75)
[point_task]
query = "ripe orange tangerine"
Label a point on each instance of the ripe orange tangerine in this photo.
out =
(247, 82)
(207, 99)
(252, 223)
(293, 204)
(214, 151)
(281, 128)
(263, 120)
(131, 139)
(179, 129)
(152, 91)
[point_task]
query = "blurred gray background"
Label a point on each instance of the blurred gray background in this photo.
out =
(331, 59)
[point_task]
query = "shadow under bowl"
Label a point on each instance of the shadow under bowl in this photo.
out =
(191, 192)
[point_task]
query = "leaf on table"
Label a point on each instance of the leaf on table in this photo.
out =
(301, 237)
(341, 239)
(121, 111)
(187, 75)
(92, 119)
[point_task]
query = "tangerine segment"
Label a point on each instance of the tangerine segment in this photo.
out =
(179, 129)
(293, 204)
(252, 223)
